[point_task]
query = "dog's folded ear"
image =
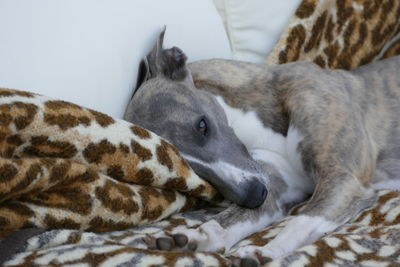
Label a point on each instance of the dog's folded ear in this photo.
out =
(171, 63)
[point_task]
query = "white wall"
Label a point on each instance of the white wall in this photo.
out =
(88, 51)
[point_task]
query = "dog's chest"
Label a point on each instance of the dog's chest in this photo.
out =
(268, 146)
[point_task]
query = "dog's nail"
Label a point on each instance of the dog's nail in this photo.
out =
(150, 241)
(249, 262)
(192, 246)
(180, 240)
(164, 243)
(221, 250)
(264, 260)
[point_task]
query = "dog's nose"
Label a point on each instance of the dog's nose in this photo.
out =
(256, 194)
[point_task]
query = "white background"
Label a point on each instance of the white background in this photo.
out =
(88, 51)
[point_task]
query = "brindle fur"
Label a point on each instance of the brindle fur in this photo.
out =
(349, 121)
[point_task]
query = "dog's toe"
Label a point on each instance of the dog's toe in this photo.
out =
(180, 240)
(165, 243)
(170, 242)
(249, 262)
(192, 246)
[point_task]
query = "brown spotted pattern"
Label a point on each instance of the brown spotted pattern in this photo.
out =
(57, 173)
(67, 115)
(63, 166)
(341, 34)
(370, 239)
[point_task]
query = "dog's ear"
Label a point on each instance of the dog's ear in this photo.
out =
(143, 72)
(171, 63)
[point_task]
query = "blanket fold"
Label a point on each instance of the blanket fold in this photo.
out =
(65, 166)
(73, 170)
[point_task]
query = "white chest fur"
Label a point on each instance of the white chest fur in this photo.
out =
(266, 145)
(249, 128)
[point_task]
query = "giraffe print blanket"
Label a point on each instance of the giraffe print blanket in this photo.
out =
(65, 166)
(68, 170)
(371, 239)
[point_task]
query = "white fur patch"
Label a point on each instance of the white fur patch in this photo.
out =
(249, 128)
(238, 231)
(223, 169)
(303, 229)
(299, 231)
(266, 145)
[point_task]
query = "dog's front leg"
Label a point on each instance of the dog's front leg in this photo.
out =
(338, 152)
(328, 209)
(222, 231)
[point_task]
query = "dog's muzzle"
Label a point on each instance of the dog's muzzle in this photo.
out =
(256, 195)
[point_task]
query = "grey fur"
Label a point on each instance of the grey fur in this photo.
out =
(171, 106)
(349, 121)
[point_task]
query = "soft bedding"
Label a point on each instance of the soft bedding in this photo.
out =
(74, 177)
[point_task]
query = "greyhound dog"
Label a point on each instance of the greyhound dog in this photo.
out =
(268, 138)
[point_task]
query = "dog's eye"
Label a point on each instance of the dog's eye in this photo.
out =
(202, 126)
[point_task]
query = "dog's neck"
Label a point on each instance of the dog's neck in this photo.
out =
(273, 148)
(260, 119)
(278, 149)
(248, 101)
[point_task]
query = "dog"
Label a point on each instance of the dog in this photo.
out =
(268, 138)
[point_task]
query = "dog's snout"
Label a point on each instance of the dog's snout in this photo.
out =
(255, 196)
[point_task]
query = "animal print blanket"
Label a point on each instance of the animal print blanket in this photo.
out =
(100, 186)
(63, 166)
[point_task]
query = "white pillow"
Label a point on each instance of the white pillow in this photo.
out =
(254, 26)
(88, 51)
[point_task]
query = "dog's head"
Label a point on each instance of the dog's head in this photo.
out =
(167, 103)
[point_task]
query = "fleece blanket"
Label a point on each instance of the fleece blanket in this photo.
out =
(97, 187)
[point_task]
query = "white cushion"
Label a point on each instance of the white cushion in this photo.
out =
(88, 51)
(254, 26)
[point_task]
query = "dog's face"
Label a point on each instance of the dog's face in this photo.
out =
(168, 104)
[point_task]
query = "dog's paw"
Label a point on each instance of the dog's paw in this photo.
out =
(252, 256)
(249, 257)
(209, 236)
(169, 242)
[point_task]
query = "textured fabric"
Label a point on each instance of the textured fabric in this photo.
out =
(64, 166)
(340, 34)
(88, 52)
(254, 26)
(370, 239)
